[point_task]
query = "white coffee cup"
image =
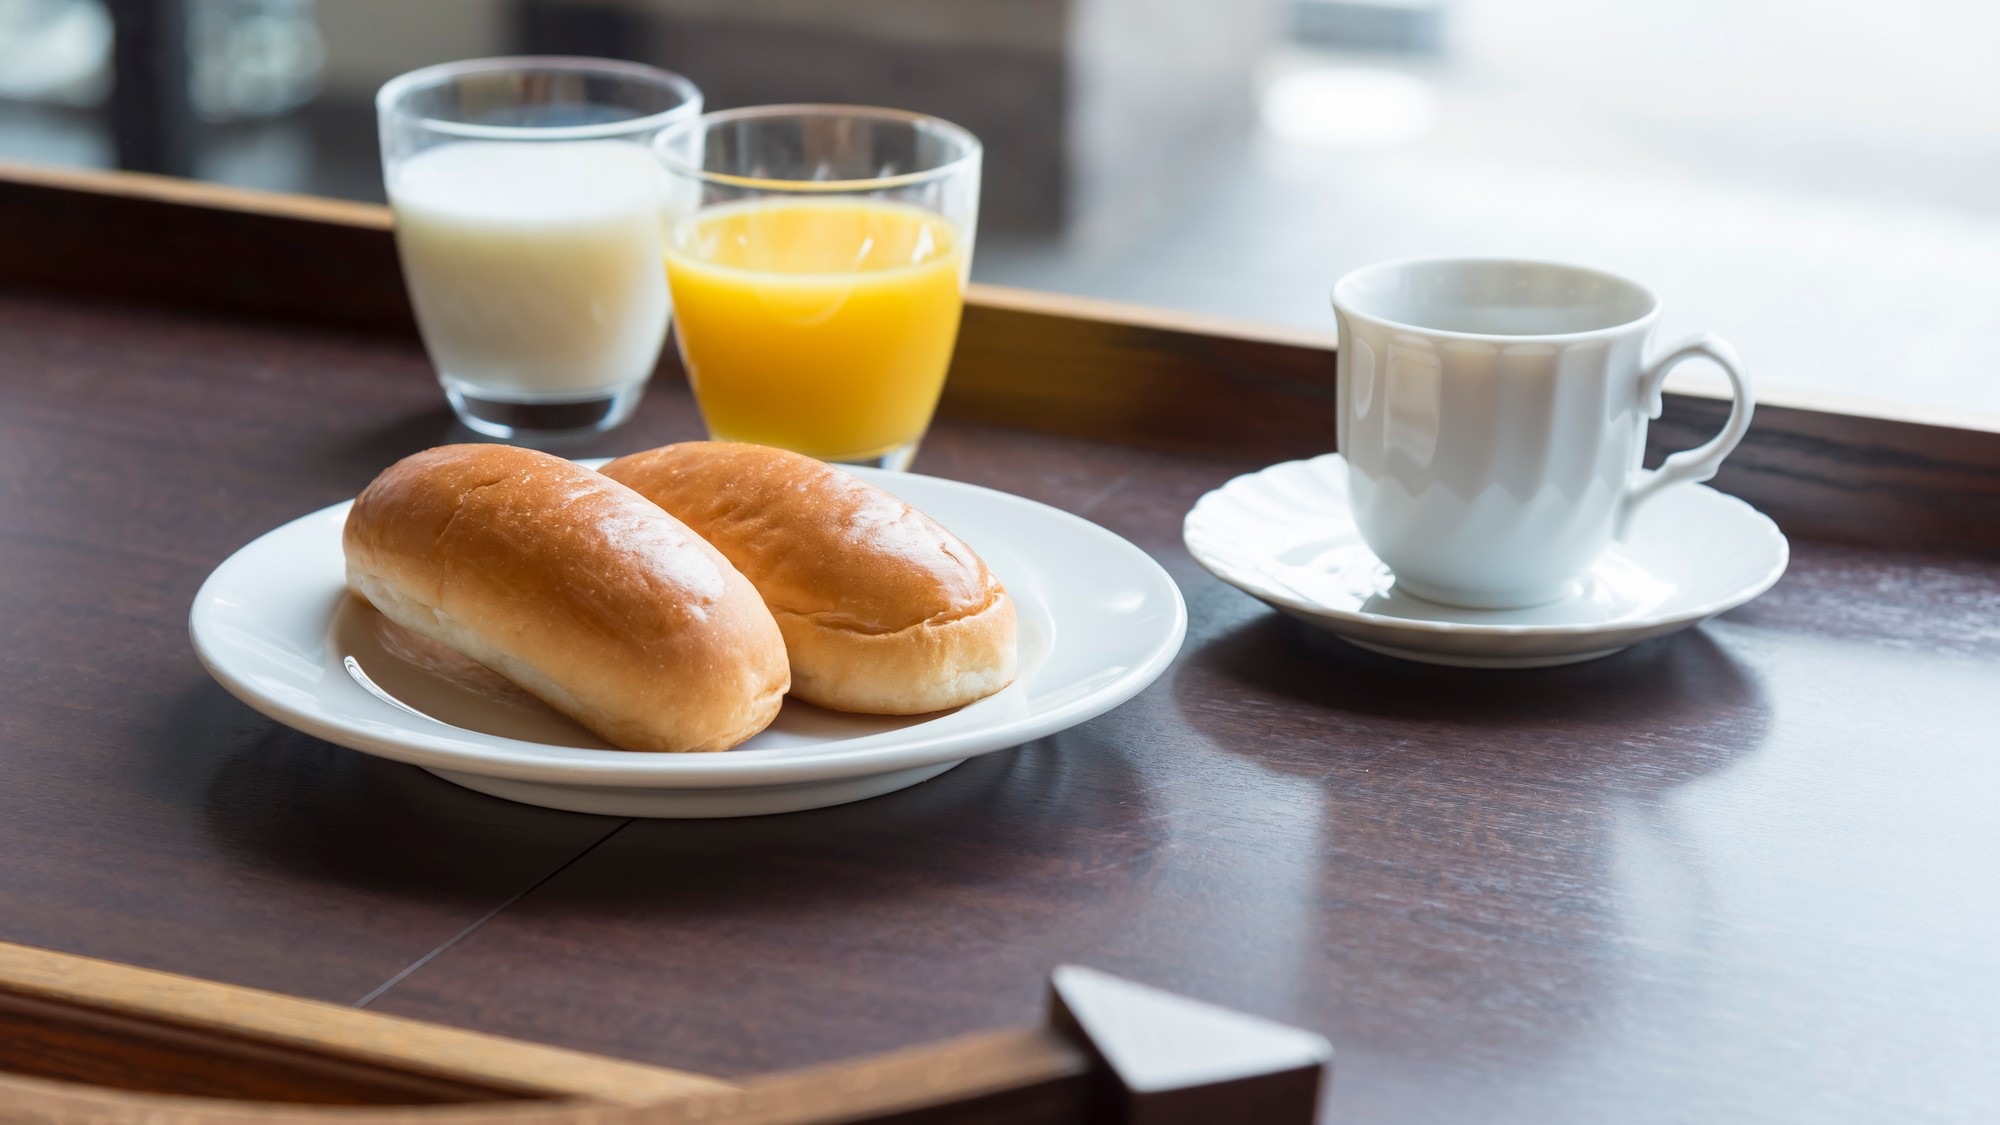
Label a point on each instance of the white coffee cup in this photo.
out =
(1493, 412)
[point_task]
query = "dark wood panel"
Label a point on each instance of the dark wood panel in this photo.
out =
(1147, 378)
(1896, 484)
(200, 246)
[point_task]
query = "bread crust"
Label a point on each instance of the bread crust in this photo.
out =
(883, 610)
(576, 588)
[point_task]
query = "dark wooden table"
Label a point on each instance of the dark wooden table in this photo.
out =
(1748, 873)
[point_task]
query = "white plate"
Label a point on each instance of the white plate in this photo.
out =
(1099, 620)
(1286, 536)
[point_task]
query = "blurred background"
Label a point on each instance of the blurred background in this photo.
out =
(1817, 180)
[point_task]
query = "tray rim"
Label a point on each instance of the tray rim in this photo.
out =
(1185, 383)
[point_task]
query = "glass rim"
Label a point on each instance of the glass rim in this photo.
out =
(970, 145)
(389, 98)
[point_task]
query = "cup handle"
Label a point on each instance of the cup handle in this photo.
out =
(1699, 463)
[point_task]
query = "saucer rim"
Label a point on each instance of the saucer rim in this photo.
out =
(1221, 569)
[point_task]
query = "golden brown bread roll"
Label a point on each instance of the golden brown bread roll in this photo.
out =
(883, 610)
(574, 587)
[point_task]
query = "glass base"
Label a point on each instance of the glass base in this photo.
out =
(542, 420)
(896, 460)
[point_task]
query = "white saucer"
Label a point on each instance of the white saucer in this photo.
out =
(1099, 620)
(1286, 536)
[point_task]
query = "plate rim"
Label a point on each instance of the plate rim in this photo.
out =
(718, 770)
(1221, 569)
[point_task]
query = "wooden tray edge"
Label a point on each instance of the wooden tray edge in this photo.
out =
(331, 1030)
(1097, 370)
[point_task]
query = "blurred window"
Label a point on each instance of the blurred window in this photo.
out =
(1817, 180)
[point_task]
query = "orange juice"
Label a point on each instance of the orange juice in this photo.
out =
(821, 325)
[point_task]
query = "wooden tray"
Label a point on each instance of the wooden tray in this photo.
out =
(1723, 876)
(90, 1040)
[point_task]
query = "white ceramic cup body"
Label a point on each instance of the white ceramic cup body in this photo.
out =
(1492, 414)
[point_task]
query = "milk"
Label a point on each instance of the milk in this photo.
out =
(535, 268)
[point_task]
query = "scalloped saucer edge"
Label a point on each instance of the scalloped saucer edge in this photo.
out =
(1286, 536)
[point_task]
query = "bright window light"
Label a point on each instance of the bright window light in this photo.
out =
(1349, 108)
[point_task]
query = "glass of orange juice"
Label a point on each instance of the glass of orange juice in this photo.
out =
(817, 257)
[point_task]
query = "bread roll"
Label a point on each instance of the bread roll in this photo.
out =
(574, 587)
(883, 610)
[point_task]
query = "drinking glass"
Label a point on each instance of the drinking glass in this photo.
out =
(818, 263)
(528, 217)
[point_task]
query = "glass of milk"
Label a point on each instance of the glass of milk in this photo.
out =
(529, 212)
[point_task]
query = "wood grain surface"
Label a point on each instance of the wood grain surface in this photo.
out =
(1745, 873)
(89, 1042)
(1030, 1076)
(82, 1020)
(103, 1043)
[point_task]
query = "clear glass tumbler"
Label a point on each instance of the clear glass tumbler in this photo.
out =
(818, 262)
(529, 217)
